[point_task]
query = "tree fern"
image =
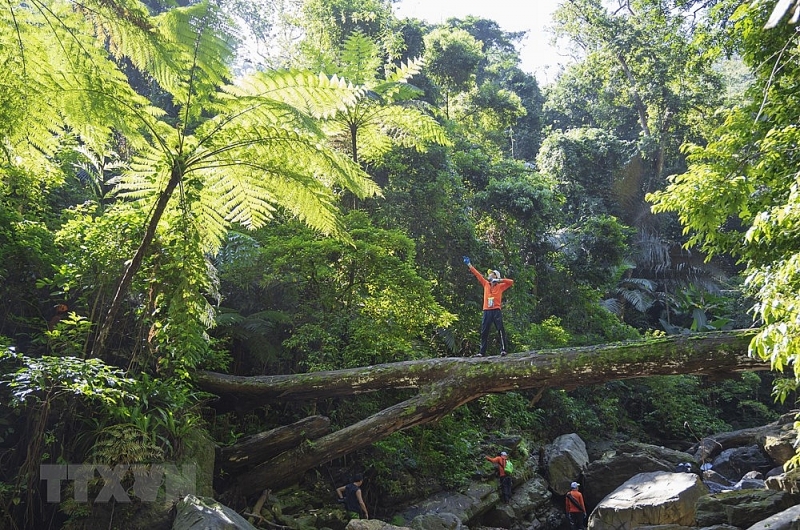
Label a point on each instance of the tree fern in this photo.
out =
(386, 113)
(222, 152)
(240, 151)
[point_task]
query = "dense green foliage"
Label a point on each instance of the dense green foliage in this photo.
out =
(165, 208)
(739, 195)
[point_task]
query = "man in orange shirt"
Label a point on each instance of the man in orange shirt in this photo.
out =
(576, 509)
(493, 288)
(505, 480)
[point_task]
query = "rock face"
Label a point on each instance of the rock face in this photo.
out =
(785, 520)
(604, 475)
(565, 459)
(656, 498)
(202, 512)
(742, 508)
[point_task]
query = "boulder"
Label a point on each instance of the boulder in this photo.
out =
(733, 463)
(742, 508)
(372, 524)
(206, 513)
(664, 527)
(711, 446)
(656, 498)
(531, 499)
(502, 516)
(788, 519)
(616, 466)
(779, 443)
(710, 476)
(565, 459)
(475, 501)
(788, 482)
(436, 521)
(749, 484)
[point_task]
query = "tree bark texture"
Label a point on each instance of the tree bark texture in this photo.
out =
(445, 384)
(257, 448)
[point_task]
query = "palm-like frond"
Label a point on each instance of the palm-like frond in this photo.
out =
(403, 72)
(317, 95)
(204, 46)
(406, 125)
(256, 155)
(376, 121)
(360, 59)
(51, 63)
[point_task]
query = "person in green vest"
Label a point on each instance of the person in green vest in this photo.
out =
(505, 479)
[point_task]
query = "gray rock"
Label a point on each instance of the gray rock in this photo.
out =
(788, 519)
(735, 462)
(742, 508)
(627, 460)
(713, 476)
(436, 521)
(749, 484)
(475, 501)
(372, 524)
(502, 516)
(207, 514)
(565, 459)
(664, 527)
(657, 498)
(531, 498)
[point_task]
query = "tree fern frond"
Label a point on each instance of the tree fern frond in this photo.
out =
(360, 59)
(205, 35)
(318, 95)
(285, 168)
(406, 126)
(64, 78)
(402, 73)
(210, 224)
(612, 305)
(144, 176)
(393, 92)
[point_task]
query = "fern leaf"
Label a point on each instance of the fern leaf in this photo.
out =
(360, 59)
(318, 95)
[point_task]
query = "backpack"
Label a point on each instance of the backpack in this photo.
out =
(509, 468)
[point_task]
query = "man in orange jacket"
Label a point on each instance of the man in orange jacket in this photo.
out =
(505, 480)
(493, 288)
(576, 509)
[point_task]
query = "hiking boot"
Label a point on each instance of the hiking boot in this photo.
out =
(478, 355)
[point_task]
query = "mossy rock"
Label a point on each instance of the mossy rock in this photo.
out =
(742, 508)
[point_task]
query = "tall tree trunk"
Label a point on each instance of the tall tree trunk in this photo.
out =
(136, 262)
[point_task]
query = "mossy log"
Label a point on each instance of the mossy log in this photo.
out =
(262, 446)
(446, 383)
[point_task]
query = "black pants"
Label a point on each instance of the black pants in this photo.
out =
(505, 488)
(576, 520)
(493, 316)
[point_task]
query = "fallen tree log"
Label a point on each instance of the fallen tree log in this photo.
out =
(262, 446)
(448, 383)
